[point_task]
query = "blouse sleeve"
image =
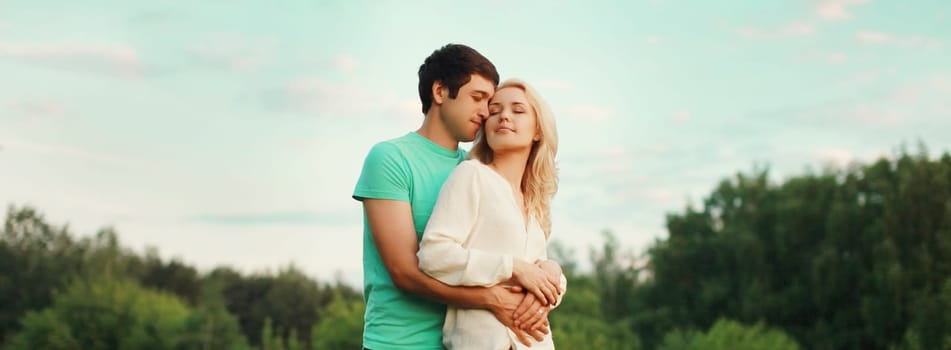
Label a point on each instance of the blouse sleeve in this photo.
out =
(441, 252)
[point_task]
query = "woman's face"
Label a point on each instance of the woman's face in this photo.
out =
(511, 125)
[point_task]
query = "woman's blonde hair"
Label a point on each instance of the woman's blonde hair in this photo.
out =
(540, 180)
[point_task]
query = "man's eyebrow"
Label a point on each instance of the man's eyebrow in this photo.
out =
(483, 94)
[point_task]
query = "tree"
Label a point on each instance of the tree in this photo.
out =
(729, 335)
(340, 325)
(105, 314)
(850, 258)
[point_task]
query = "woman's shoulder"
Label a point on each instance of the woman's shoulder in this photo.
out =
(470, 170)
(471, 165)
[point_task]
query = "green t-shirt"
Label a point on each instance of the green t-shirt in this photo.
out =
(411, 169)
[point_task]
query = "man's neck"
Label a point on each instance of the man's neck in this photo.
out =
(434, 130)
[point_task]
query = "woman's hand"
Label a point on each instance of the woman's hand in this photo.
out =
(552, 269)
(536, 281)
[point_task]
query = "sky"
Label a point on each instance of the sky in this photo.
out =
(232, 132)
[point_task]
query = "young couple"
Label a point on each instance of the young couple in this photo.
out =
(442, 227)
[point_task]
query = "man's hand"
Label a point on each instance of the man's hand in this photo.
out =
(531, 314)
(507, 301)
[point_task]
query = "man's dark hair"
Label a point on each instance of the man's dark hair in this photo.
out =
(452, 65)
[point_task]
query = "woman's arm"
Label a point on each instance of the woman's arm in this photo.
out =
(441, 254)
(554, 272)
(391, 223)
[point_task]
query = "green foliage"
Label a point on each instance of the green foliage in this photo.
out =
(105, 314)
(341, 326)
(852, 258)
(270, 340)
(212, 327)
(290, 300)
(729, 335)
(35, 259)
(585, 332)
(588, 317)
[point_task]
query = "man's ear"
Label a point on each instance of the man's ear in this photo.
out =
(438, 91)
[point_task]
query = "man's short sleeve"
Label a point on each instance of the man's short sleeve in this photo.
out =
(385, 175)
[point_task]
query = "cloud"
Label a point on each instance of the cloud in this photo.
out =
(276, 218)
(837, 10)
(345, 63)
(929, 43)
(911, 102)
(837, 57)
(408, 111)
(603, 178)
(72, 153)
(554, 85)
(318, 250)
(874, 37)
(321, 97)
(813, 56)
(879, 38)
(795, 29)
(33, 108)
(111, 59)
(839, 157)
(860, 79)
(660, 194)
(681, 117)
(233, 52)
(156, 16)
(346, 103)
(917, 92)
(590, 113)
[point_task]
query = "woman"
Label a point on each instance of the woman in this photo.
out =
(492, 221)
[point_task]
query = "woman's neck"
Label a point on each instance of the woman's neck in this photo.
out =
(512, 167)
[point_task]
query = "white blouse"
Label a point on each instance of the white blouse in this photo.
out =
(475, 231)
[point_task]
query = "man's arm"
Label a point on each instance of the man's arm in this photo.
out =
(391, 224)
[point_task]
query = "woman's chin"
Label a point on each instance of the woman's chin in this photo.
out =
(508, 147)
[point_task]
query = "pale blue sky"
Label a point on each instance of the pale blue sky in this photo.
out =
(232, 132)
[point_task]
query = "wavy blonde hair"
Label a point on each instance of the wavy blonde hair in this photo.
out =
(540, 180)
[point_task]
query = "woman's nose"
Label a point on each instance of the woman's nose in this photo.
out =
(505, 115)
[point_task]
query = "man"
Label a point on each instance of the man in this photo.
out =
(398, 186)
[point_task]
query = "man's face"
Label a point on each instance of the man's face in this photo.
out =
(464, 114)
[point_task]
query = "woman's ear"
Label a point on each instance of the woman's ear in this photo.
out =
(438, 90)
